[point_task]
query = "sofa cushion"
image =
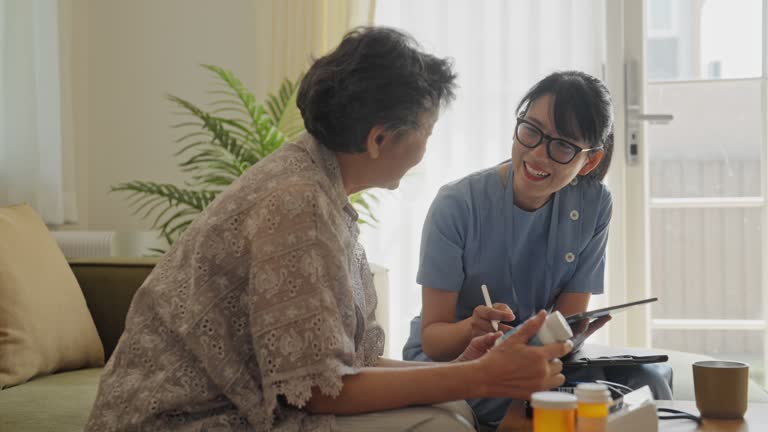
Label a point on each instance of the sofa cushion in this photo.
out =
(109, 285)
(60, 402)
(45, 325)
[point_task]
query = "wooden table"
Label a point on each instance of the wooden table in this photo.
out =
(756, 420)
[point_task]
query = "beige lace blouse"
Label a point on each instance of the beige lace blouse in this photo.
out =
(266, 295)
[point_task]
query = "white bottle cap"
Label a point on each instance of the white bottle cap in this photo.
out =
(553, 400)
(555, 329)
(593, 393)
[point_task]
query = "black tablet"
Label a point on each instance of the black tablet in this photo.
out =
(597, 313)
(585, 323)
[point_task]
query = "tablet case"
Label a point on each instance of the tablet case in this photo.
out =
(601, 356)
(619, 360)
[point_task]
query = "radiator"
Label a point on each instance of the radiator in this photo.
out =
(85, 244)
(95, 244)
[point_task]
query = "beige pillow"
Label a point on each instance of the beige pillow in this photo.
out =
(45, 325)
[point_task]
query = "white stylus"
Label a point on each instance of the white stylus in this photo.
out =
(494, 323)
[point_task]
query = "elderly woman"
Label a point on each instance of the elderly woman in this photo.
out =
(262, 315)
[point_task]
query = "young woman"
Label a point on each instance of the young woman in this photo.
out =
(261, 316)
(532, 229)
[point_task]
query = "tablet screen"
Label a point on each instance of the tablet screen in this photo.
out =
(585, 323)
(597, 313)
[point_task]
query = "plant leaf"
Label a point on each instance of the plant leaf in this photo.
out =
(283, 112)
(216, 147)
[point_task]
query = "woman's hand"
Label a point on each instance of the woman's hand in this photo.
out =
(478, 346)
(480, 322)
(588, 327)
(515, 369)
(584, 329)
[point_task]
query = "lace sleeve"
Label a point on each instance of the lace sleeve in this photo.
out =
(301, 305)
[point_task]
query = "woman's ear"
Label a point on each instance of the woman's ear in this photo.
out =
(376, 138)
(593, 160)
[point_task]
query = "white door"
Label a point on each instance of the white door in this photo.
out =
(689, 82)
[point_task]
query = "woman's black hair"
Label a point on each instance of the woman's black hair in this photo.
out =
(376, 76)
(583, 110)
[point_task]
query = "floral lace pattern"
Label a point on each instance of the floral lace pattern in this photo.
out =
(266, 295)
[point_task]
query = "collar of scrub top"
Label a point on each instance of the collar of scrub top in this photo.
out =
(552, 236)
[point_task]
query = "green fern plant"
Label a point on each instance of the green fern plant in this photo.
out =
(220, 145)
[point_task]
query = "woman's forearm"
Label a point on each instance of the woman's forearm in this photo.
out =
(511, 369)
(383, 388)
(391, 363)
(443, 341)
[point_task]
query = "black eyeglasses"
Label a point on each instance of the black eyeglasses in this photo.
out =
(559, 150)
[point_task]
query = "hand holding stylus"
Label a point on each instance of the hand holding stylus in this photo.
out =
(485, 318)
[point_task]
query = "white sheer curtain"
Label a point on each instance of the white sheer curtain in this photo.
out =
(33, 164)
(500, 49)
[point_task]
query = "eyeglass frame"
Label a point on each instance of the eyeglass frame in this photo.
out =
(549, 140)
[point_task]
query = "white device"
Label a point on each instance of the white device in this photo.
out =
(637, 415)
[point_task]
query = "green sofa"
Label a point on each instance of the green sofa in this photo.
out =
(62, 401)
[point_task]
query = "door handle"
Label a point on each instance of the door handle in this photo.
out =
(632, 87)
(653, 118)
(633, 131)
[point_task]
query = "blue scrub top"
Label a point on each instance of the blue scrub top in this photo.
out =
(475, 235)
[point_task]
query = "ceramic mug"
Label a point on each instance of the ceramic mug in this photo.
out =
(721, 388)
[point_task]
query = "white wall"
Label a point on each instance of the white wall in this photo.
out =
(124, 57)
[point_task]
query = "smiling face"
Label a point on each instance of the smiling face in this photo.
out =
(536, 176)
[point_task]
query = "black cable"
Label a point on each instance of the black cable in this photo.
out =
(616, 385)
(677, 414)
